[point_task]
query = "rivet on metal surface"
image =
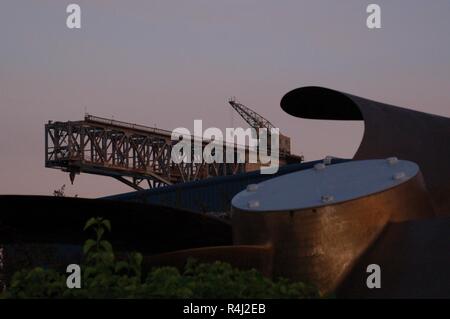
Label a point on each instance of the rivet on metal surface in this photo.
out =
(252, 188)
(253, 203)
(399, 176)
(392, 160)
(319, 166)
(327, 198)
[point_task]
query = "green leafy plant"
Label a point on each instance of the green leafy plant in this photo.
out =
(106, 276)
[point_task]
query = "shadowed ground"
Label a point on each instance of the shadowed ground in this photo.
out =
(146, 228)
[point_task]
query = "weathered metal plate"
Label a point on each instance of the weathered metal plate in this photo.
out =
(325, 185)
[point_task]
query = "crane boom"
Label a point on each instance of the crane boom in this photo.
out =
(251, 117)
(256, 121)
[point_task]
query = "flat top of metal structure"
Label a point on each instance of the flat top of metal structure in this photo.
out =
(325, 185)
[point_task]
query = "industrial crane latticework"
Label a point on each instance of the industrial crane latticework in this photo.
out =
(251, 117)
(128, 152)
(256, 121)
(134, 153)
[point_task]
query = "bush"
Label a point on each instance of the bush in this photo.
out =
(104, 276)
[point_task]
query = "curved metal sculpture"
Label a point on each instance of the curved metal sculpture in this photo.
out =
(389, 131)
(320, 221)
(414, 259)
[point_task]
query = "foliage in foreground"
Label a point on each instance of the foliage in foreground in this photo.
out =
(105, 276)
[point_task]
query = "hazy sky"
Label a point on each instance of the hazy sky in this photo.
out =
(166, 63)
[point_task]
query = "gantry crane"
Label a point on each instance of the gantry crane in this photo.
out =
(257, 121)
(134, 154)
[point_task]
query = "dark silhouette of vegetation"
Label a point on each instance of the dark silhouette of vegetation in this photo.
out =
(60, 192)
(105, 276)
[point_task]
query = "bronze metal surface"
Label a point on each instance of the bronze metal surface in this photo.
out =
(389, 131)
(321, 244)
(414, 257)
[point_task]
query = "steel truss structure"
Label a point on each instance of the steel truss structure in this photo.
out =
(130, 153)
(251, 117)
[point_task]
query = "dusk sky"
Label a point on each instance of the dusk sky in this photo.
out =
(165, 63)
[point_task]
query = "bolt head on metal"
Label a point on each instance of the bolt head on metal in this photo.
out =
(392, 160)
(252, 188)
(253, 203)
(319, 166)
(327, 198)
(399, 176)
